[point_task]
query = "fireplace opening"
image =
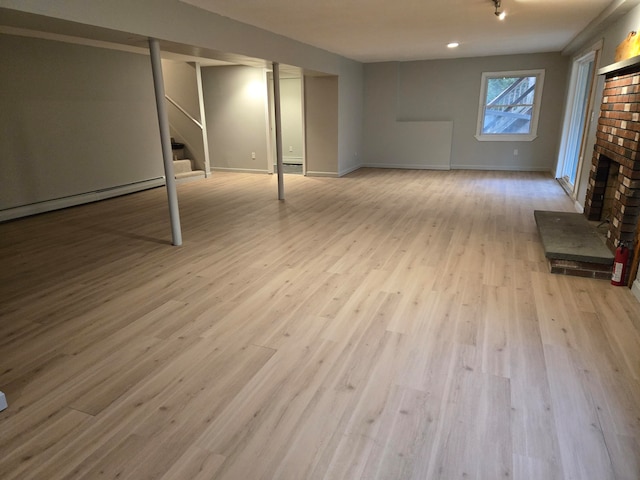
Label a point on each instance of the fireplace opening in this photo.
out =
(613, 193)
(613, 201)
(610, 189)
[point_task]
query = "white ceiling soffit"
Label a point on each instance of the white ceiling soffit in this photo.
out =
(36, 26)
(130, 46)
(385, 30)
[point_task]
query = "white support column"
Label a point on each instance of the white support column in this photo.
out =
(276, 109)
(165, 138)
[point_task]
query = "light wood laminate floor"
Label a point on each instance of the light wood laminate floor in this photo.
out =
(385, 325)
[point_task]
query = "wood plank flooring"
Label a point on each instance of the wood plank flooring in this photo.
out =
(384, 325)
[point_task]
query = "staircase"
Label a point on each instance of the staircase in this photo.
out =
(183, 167)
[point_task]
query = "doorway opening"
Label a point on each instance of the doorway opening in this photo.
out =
(292, 121)
(578, 119)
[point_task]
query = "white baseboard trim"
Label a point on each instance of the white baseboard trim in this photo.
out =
(311, 173)
(405, 166)
(578, 206)
(501, 168)
(635, 289)
(347, 171)
(82, 198)
(239, 170)
(3, 402)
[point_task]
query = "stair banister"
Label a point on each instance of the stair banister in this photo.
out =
(187, 114)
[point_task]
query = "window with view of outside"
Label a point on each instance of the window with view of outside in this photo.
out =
(509, 105)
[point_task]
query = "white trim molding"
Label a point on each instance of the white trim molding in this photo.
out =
(347, 171)
(82, 198)
(311, 173)
(505, 168)
(537, 100)
(240, 170)
(407, 166)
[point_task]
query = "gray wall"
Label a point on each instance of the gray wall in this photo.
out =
(235, 108)
(449, 90)
(321, 109)
(350, 115)
(395, 143)
(181, 85)
(291, 116)
(75, 119)
(178, 22)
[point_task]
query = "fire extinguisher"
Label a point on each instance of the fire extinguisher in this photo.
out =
(620, 265)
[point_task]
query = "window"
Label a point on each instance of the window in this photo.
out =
(509, 105)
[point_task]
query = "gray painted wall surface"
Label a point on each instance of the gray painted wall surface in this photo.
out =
(449, 90)
(181, 85)
(291, 115)
(321, 108)
(178, 22)
(234, 99)
(350, 110)
(402, 144)
(75, 120)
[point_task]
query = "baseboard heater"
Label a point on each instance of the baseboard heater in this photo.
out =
(292, 160)
(79, 199)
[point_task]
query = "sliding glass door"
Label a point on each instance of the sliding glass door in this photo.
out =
(572, 153)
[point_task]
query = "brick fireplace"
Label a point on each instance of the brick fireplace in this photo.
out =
(613, 193)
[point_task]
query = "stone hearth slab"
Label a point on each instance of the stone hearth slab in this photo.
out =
(570, 237)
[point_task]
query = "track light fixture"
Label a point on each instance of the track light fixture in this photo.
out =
(498, 13)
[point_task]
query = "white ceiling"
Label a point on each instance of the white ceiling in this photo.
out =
(386, 30)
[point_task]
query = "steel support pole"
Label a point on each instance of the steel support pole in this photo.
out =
(165, 138)
(276, 108)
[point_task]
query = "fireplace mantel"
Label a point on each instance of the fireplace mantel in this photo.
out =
(620, 68)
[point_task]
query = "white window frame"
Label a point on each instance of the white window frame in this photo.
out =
(537, 100)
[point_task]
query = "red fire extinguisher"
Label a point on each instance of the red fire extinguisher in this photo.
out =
(620, 265)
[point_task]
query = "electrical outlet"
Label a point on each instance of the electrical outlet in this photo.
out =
(253, 155)
(515, 152)
(291, 148)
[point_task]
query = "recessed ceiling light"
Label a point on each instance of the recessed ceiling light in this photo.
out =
(453, 45)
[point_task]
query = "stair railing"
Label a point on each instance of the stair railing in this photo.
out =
(187, 114)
